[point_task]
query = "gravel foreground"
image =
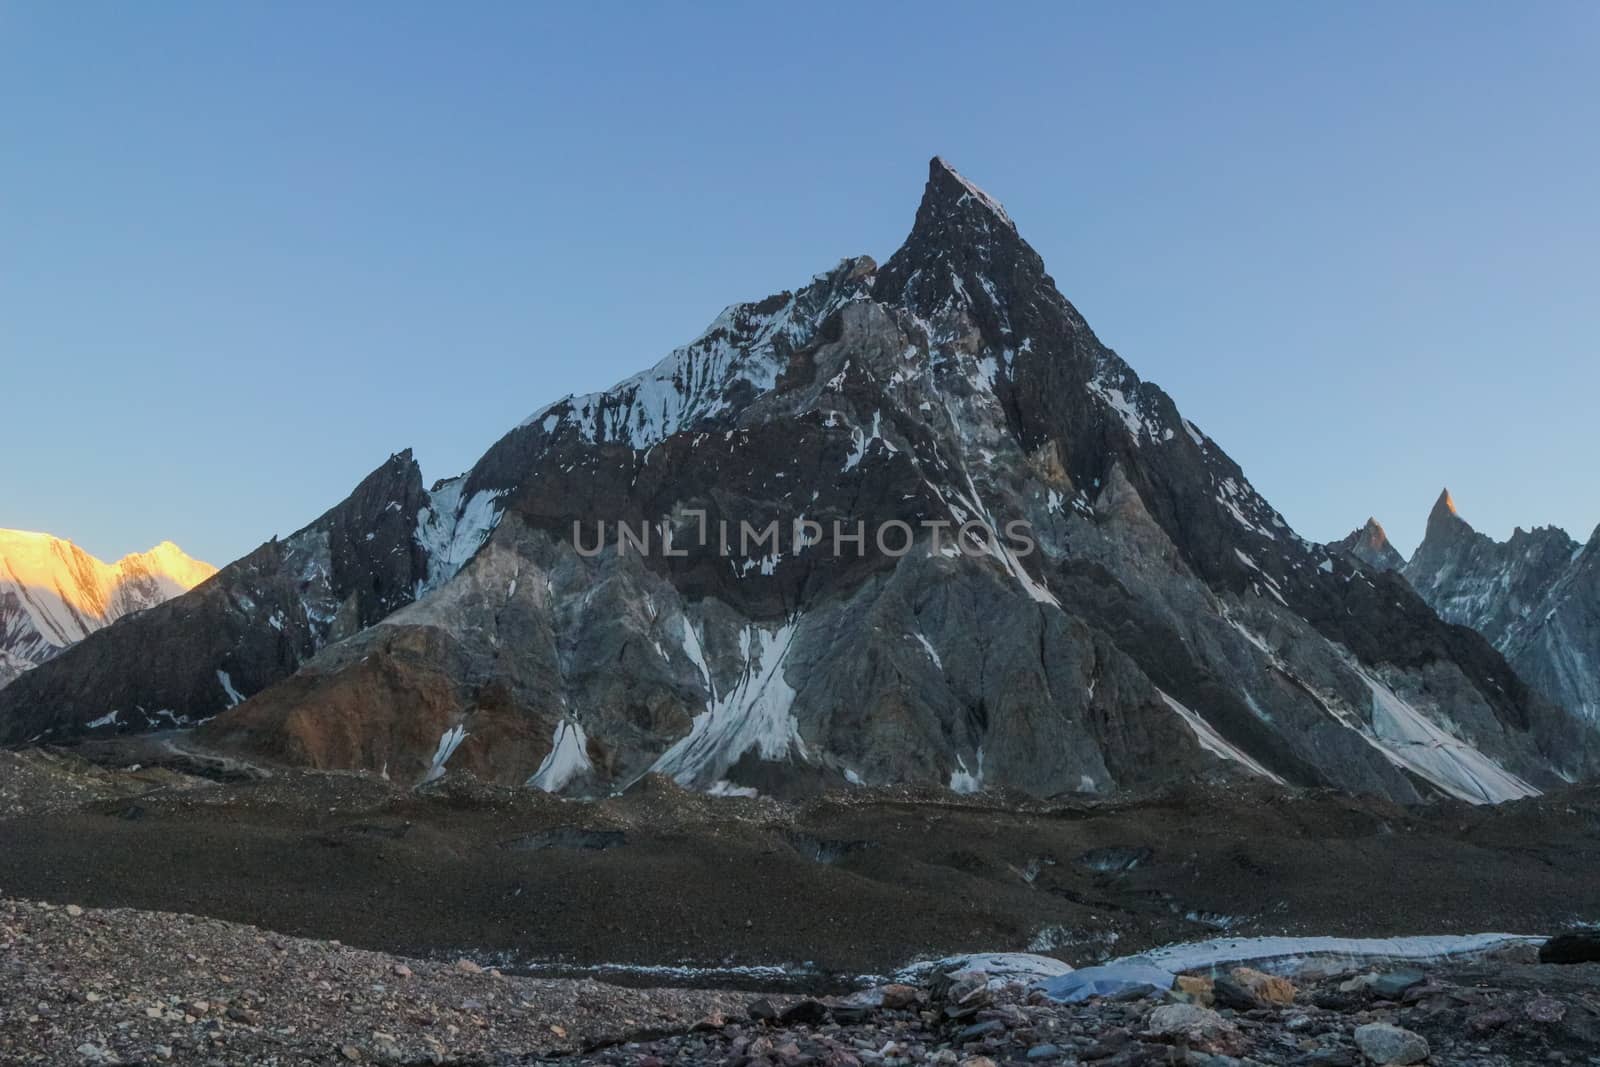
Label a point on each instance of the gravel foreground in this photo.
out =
(84, 986)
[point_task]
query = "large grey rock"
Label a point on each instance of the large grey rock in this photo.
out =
(1188, 1021)
(1391, 1045)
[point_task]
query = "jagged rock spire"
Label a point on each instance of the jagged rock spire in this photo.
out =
(1444, 520)
(963, 249)
(1371, 546)
(948, 180)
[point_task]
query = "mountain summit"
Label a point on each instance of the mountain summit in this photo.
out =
(986, 554)
(1371, 546)
(1444, 521)
(1535, 597)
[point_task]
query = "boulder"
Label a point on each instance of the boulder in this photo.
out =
(1263, 986)
(1580, 947)
(1392, 985)
(967, 995)
(1229, 993)
(803, 1013)
(1391, 1046)
(898, 997)
(1189, 1022)
(1197, 988)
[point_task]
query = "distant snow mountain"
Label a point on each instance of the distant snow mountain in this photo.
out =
(53, 594)
(1536, 597)
(1161, 622)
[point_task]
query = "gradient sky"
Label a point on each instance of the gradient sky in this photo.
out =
(247, 250)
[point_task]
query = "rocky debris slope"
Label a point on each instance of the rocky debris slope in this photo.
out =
(48, 782)
(1536, 598)
(1060, 585)
(53, 594)
(823, 889)
(82, 986)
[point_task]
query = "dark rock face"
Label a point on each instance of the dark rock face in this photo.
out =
(1535, 598)
(1156, 620)
(250, 625)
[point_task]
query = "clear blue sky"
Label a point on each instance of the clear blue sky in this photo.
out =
(247, 250)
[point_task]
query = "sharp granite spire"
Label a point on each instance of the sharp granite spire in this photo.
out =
(1535, 597)
(1371, 546)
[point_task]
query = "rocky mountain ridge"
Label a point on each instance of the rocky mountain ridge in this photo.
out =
(54, 594)
(253, 623)
(1535, 597)
(1165, 623)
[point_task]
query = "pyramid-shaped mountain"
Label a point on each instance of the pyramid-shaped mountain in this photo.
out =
(909, 523)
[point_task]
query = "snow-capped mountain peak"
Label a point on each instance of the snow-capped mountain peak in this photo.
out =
(54, 594)
(1024, 569)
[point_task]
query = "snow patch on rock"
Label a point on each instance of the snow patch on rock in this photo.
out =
(567, 761)
(754, 714)
(1215, 743)
(451, 529)
(449, 741)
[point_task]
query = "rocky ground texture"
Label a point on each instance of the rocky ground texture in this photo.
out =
(832, 888)
(85, 986)
(51, 781)
(844, 887)
(1491, 1013)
